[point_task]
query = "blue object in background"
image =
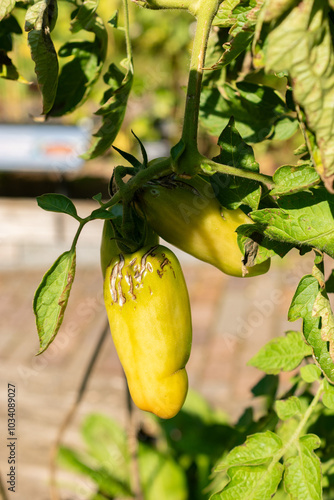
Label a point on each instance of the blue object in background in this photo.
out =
(42, 148)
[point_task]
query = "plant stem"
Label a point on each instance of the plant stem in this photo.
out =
(127, 30)
(164, 4)
(132, 431)
(162, 168)
(205, 13)
(77, 234)
(210, 166)
(155, 171)
(304, 420)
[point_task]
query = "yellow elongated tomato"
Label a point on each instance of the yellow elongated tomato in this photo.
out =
(189, 216)
(150, 321)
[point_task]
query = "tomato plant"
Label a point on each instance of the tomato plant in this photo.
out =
(260, 73)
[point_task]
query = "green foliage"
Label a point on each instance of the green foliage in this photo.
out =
(304, 219)
(310, 303)
(235, 191)
(260, 112)
(6, 7)
(40, 20)
(57, 203)
(51, 298)
(78, 76)
(290, 179)
(297, 42)
(113, 106)
(281, 353)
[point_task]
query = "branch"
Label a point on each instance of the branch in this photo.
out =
(210, 167)
(164, 4)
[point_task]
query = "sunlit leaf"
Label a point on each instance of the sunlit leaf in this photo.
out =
(302, 307)
(301, 44)
(288, 408)
(256, 110)
(51, 298)
(281, 353)
(258, 449)
(290, 179)
(113, 108)
(302, 478)
(40, 20)
(6, 6)
(303, 219)
(254, 483)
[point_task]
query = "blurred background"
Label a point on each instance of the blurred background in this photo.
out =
(232, 317)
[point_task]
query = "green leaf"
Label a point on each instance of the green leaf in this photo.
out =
(98, 197)
(101, 213)
(281, 353)
(79, 75)
(234, 151)
(6, 6)
(84, 16)
(40, 20)
(224, 17)
(234, 47)
(290, 179)
(258, 449)
(7, 68)
(303, 219)
(105, 481)
(106, 443)
(285, 127)
(55, 202)
(301, 44)
(302, 307)
(113, 21)
(328, 396)
(254, 483)
(310, 373)
(73, 86)
(161, 476)
(142, 149)
(51, 298)
(302, 478)
(8, 27)
(288, 408)
(232, 191)
(322, 309)
(266, 248)
(241, 17)
(113, 106)
(129, 157)
(255, 108)
(235, 191)
(275, 8)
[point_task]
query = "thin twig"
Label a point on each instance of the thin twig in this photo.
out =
(54, 493)
(132, 429)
